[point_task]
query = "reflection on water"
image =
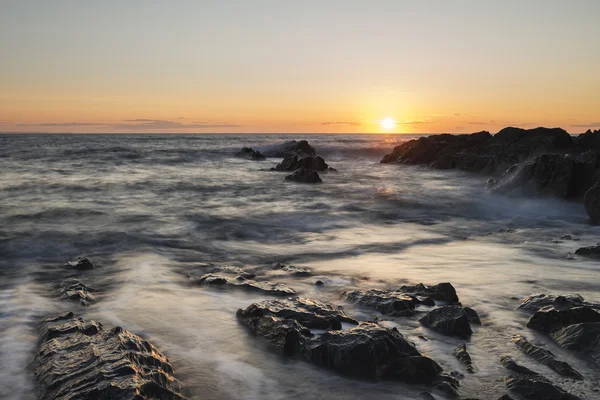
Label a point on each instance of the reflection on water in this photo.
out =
(148, 209)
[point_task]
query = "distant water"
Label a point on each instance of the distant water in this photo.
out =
(149, 209)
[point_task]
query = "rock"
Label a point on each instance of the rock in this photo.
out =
(463, 356)
(304, 176)
(300, 148)
(442, 291)
(583, 337)
(590, 251)
(545, 357)
(551, 318)
(568, 237)
(79, 359)
(536, 389)
(278, 289)
(293, 162)
(387, 302)
(590, 140)
(75, 290)
(448, 320)
(509, 364)
(538, 301)
(250, 154)
(80, 264)
(319, 283)
(426, 396)
(295, 271)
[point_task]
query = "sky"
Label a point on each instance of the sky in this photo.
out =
(298, 66)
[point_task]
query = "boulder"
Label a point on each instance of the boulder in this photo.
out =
(448, 320)
(551, 318)
(460, 352)
(79, 359)
(583, 337)
(277, 289)
(538, 301)
(293, 162)
(75, 290)
(545, 357)
(80, 264)
(304, 176)
(387, 302)
(442, 291)
(589, 251)
(300, 148)
(591, 201)
(250, 154)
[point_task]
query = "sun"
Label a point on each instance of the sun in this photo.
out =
(388, 123)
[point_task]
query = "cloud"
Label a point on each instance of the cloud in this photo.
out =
(341, 123)
(137, 124)
(456, 114)
(477, 123)
(63, 124)
(590, 125)
(416, 122)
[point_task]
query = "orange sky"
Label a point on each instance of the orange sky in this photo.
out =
(270, 67)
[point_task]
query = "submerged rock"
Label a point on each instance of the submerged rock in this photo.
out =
(250, 154)
(278, 289)
(590, 251)
(545, 357)
(449, 320)
(509, 364)
(304, 176)
(591, 201)
(75, 290)
(463, 356)
(387, 302)
(442, 291)
(79, 359)
(295, 271)
(81, 263)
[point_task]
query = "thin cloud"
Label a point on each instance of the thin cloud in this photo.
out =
(416, 122)
(341, 123)
(62, 124)
(477, 123)
(590, 125)
(136, 124)
(456, 114)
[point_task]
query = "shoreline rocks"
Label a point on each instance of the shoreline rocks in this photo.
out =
(387, 302)
(80, 264)
(460, 352)
(250, 154)
(546, 358)
(277, 289)
(300, 148)
(75, 290)
(78, 358)
(304, 176)
(451, 321)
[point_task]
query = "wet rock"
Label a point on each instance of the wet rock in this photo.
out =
(79, 359)
(538, 301)
(250, 154)
(293, 162)
(319, 283)
(295, 271)
(509, 364)
(545, 357)
(568, 237)
(304, 176)
(426, 396)
(463, 356)
(448, 320)
(583, 337)
(75, 290)
(442, 291)
(278, 289)
(551, 318)
(80, 264)
(535, 389)
(590, 251)
(589, 140)
(387, 302)
(300, 148)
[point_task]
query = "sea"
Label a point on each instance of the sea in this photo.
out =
(149, 210)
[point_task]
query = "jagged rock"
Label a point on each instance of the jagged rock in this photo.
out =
(545, 357)
(296, 271)
(81, 263)
(300, 148)
(79, 359)
(589, 140)
(536, 389)
(509, 364)
(463, 356)
(538, 301)
(387, 302)
(250, 154)
(551, 318)
(304, 176)
(293, 162)
(278, 289)
(583, 337)
(448, 320)
(75, 290)
(442, 291)
(590, 251)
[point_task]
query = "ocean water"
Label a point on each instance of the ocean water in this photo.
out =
(149, 209)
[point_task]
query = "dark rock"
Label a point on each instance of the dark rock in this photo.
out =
(463, 356)
(505, 397)
(319, 283)
(448, 320)
(536, 389)
(304, 176)
(296, 271)
(387, 302)
(300, 148)
(250, 154)
(442, 291)
(591, 201)
(568, 237)
(551, 318)
(538, 301)
(278, 289)
(79, 359)
(75, 290)
(583, 337)
(82, 263)
(545, 357)
(589, 140)
(293, 162)
(426, 396)
(509, 364)
(590, 251)
(472, 315)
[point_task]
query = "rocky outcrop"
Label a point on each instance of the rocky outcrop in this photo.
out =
(80, 264)
(450, 321)
(589, 251)
(538, 301)
(250, 154)
(545, 357)
(304, 176)
(294, 271)
(75, 290)
(460, 352)
(536, 388)
(387, 302)
(509, 364)
(79, 359)
(589, 140)
(277, 289)
(300, 148)
(591, 201)
(293, 162)
(366, 351)
(442, 292)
